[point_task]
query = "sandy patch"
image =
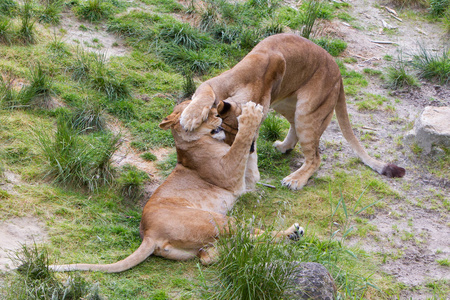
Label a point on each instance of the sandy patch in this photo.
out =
(16, 232)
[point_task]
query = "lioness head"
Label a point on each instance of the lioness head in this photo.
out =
(211, 127)
(229, 111)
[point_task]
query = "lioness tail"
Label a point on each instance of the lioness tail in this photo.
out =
(389, 170)
(145, 249)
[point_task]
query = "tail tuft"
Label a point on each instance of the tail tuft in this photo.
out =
(392, 171)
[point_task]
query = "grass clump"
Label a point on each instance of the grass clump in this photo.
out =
(50, 12)
(131, 182)
(6, 34)
(94, 10)
(148, 156)
(433, 66)
(8, 96)
(94, 70)
(397, 76)
(439, 7)
(333, 46)
(38, 94)
(78, 161)
(252, 268)
(27, 14)
(8, 8)
(272, 128)
(89, 117)
(184, 35)
(198, 62)
(33, 280)
(312, 12)
(371, 102)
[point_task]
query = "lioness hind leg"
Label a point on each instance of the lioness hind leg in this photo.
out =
(309, 135)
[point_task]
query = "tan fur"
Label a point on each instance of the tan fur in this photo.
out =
(298, 79)
(186, 214)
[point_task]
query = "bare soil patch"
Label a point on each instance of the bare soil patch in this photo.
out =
(16, 232)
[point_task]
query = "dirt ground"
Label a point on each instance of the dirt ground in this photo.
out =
(412, 260)
(413, 229)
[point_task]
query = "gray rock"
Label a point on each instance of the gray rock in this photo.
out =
(431, 128)
(312, 281)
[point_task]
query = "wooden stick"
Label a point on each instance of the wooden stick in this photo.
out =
(267, 185)
(382, 42)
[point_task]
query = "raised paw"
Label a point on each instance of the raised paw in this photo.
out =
(193, 116)
(297, 232)
(251, 115)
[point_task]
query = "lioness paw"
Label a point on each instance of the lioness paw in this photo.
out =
(251, 115)
(294, 182)
(193, 116)
(297, 232)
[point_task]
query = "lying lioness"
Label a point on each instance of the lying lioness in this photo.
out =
(185, 215)
(298, 79)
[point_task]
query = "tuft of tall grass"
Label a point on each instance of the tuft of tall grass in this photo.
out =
(311, 14)
(333, 46)
(433, 66)
(6, 34)
(8, 8)
(104, 80)
(79, 161)
(93, 10)
(183, 35)
(181, 58)
(8, 96)
(38, 93)
(27, 14)
(51, 12)
(397, 76)
(131, 182)
(81, 65)
(272, 128)
(439, 7)
(89, 117)
(189, 86)
(252, 268)
(34, 281)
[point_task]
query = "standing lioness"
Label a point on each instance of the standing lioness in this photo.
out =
(298, 79)
(186, 214)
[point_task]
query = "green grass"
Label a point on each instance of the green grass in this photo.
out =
(131, 182)
(371, 102)
(353, 81)
(272, 128)
(78, 161)
(33, 280)
(26, 33)
(40, 90)
(94, 10)
(439, 7)
(334, 46)
(433, 66)
(398, 76)
(251, 268)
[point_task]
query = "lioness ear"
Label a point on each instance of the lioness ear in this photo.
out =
(223, 107)
(169, 121)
